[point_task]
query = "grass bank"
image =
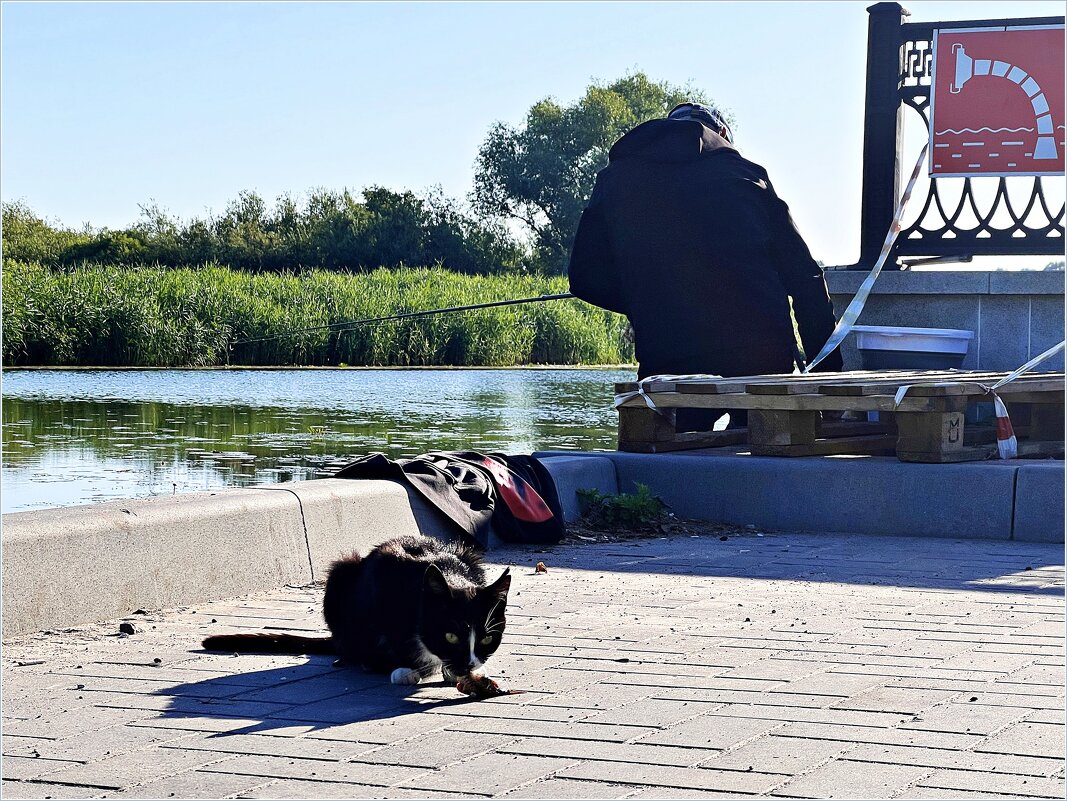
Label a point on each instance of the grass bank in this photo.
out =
(152, 317)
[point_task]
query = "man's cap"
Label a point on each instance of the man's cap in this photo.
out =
(711, 117)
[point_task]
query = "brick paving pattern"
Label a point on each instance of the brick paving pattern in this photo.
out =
(765, 665)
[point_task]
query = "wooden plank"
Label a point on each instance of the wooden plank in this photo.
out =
(690, 440)
(921, 385)
(865, 445)
(854, 382)
(879, 386)
(631, 386)
(713, 386)
(727, 386)
(709, 386)
(1032, 386)
(719, 387)
(1027, 450)
(971, 387)
(1041, 450)
(866, 403)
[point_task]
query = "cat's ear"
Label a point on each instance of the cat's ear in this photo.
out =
(500, 587)
(434, 581)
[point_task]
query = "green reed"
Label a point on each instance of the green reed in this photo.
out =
(143, 316)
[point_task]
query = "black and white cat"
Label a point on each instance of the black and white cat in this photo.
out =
(412, 606)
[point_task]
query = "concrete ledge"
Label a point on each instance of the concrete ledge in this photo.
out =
(345, 515)
(896, 282)
(950, 282)
(572, 473)
(844, 495)
(67, 566)
(73, 565)
(1039, 501)
(1026, 282)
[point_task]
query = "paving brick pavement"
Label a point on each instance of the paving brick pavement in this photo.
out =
(764, 665)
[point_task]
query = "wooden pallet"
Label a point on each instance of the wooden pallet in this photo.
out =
(789, 415)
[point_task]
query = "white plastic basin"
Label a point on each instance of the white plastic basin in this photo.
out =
(926, 340)
(885, 347)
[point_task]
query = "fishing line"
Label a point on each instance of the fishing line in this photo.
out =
(345, 325)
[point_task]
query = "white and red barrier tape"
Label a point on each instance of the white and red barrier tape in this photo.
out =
(642, 385)
(1007, 444)
(855, 306)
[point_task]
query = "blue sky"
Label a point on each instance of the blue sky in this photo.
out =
(109, 106)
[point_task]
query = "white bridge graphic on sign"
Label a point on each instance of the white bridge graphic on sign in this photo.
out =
(967, 68)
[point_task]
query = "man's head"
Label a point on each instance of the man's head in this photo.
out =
(711, 117)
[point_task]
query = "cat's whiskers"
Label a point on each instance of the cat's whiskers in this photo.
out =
(426, 662)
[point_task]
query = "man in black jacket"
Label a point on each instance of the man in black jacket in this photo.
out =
(688, 239)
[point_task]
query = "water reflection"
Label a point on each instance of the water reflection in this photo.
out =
(77, 437)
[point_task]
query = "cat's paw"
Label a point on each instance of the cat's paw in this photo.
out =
(404, 676)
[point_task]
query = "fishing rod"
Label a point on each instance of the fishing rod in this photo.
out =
(345, 325)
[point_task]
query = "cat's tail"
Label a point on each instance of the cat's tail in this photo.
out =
(269, 644)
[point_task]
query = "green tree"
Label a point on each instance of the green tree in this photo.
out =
(459, 241)
(27, 237)
(244, 235)
(541, 173)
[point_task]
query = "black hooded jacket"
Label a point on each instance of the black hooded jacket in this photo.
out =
(689, 240)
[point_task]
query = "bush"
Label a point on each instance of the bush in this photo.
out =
(639, 510)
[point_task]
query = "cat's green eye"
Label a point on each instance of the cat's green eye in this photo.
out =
(452, 638)
(487, 639)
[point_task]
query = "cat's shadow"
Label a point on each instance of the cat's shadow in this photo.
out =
(311, 695)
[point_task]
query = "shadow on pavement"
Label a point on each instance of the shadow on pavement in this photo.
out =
(313, 695)
(917, 562)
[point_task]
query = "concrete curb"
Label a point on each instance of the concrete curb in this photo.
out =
(73, 565)
(340, 516)
(1039, 502)
(1017, 500)
(69, 566)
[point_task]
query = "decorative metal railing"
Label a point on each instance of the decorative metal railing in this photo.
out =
(959, 217)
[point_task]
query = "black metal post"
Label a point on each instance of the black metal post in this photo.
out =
(883, 122)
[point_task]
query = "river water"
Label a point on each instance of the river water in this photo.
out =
(73, 437)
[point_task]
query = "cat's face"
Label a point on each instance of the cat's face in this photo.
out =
(462, 628)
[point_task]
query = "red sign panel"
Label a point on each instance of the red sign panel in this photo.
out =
(997, 101)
